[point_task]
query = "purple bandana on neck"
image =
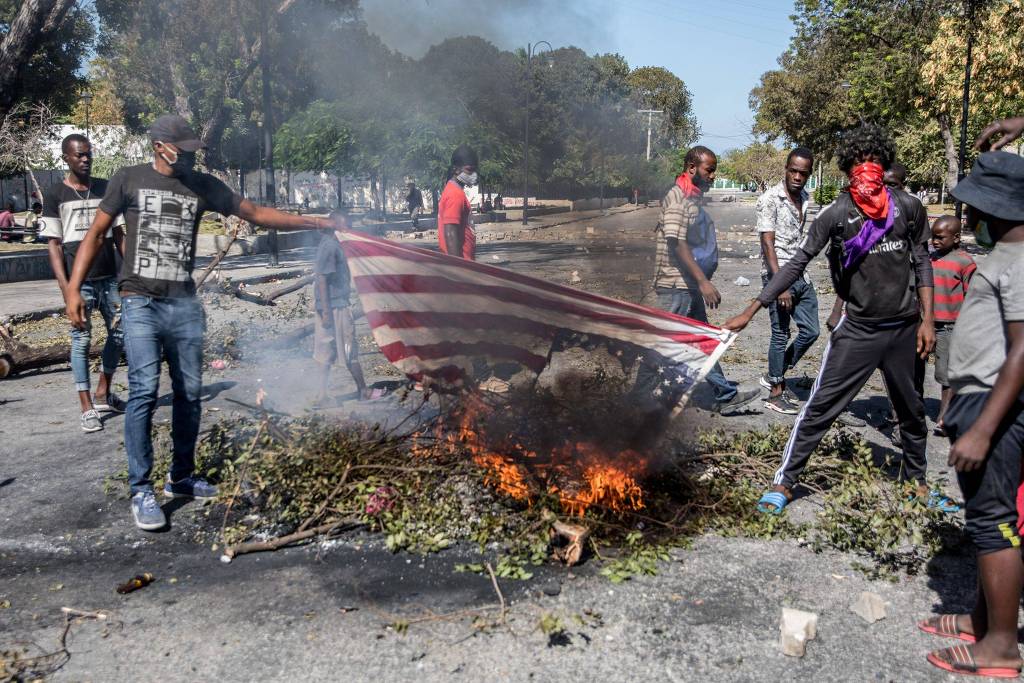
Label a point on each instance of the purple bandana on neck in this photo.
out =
(858, 246)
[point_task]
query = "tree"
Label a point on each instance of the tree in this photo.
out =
(197, 58)
(315, 140)
(759, 163)
(997, 74)
(42, 43)
(658, 88)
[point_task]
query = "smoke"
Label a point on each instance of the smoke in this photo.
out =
(412, 26)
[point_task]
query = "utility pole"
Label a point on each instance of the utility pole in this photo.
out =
(531, 50)
(650, 119)
(268, 132)
(965, 105)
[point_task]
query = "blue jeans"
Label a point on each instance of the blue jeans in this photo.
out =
(690, 303)
(97, 294)
(782, 355)
(153, 329)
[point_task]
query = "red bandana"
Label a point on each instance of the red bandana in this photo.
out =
(868, 191)
(685, 183)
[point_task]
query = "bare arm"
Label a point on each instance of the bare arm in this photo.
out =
(969, 451)
(119, 239)
(453, 239)
(325, 300)
(1008, 129)
(267, 217)
(768, 249)
(56, 253)
(87, 250)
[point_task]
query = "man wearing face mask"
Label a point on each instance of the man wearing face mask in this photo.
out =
(162, 203)
(877, 243)
(685, 261)
(455, 233)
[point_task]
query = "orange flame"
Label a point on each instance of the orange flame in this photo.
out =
(580, 475)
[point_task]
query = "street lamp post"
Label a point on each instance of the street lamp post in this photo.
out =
(965, 104)
(531, 51)
(86, 100)
(650, 116)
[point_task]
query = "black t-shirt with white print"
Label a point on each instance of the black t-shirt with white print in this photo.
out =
(67, 215)
(162, 215)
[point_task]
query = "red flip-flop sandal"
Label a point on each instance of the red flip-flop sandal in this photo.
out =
(959, 659)
(945, 627)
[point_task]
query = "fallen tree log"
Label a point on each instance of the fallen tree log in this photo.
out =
(292, 338)
(22, 358)
(288, 289)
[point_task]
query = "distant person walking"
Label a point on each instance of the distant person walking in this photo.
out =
(414, 204)
(686, 260)
(781, 218)
(455, 233)
(70, 207)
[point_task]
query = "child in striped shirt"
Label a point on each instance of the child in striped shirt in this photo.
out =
(953, 268)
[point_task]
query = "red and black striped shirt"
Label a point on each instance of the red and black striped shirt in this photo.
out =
(953, 272)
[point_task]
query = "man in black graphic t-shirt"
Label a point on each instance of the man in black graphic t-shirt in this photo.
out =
(162, 204)
(878, 255)
(68, 210)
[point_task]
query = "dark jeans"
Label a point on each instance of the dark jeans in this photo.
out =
(783, 355)
(153, 329)
(689, 303)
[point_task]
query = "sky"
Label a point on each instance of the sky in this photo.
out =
(719, 49)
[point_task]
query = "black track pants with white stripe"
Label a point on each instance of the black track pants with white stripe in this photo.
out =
(855, 350)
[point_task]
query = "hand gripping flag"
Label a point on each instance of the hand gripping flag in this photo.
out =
(452, 322)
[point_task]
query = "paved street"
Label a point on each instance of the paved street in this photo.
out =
(321, 612)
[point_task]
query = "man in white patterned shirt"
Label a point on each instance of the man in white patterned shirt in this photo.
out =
(781, 215)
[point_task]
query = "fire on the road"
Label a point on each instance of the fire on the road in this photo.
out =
(579, 474)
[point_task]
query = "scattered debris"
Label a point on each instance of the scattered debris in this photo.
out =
(869, 606)
(495, 385)
(797, 627)
(568, 541)
(590, 229)
(135, 583)
(575, 278)
(742, 281)
(218, 364)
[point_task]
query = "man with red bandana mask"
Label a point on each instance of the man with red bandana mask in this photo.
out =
(877, 243)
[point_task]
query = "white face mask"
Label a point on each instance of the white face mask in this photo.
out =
(467, 179)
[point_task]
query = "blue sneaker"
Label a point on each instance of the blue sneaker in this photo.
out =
(190, 487)
(147, 513)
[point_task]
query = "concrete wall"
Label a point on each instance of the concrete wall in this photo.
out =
(19, 267)
(594, 204)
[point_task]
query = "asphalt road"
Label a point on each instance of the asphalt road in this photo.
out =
(323, 612)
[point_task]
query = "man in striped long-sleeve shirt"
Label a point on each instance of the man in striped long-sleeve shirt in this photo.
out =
(953, 268)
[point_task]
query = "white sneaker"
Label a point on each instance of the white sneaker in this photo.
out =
(91, 421)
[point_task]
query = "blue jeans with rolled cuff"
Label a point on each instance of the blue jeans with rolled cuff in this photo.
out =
(783, 355)
(154, 329)
(98, 295)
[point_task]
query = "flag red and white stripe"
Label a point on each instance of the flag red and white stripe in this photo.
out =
(438, 316)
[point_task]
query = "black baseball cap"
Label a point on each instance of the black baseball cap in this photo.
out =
(175, 130)
(995, 186)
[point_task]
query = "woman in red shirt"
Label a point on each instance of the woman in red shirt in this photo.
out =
(454, 215)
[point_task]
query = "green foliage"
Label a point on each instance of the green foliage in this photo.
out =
(51, 75)
(640, 559)
(827, 192)
(314, 140)
(759, 163)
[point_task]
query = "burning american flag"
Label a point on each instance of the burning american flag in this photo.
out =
(453, 322)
